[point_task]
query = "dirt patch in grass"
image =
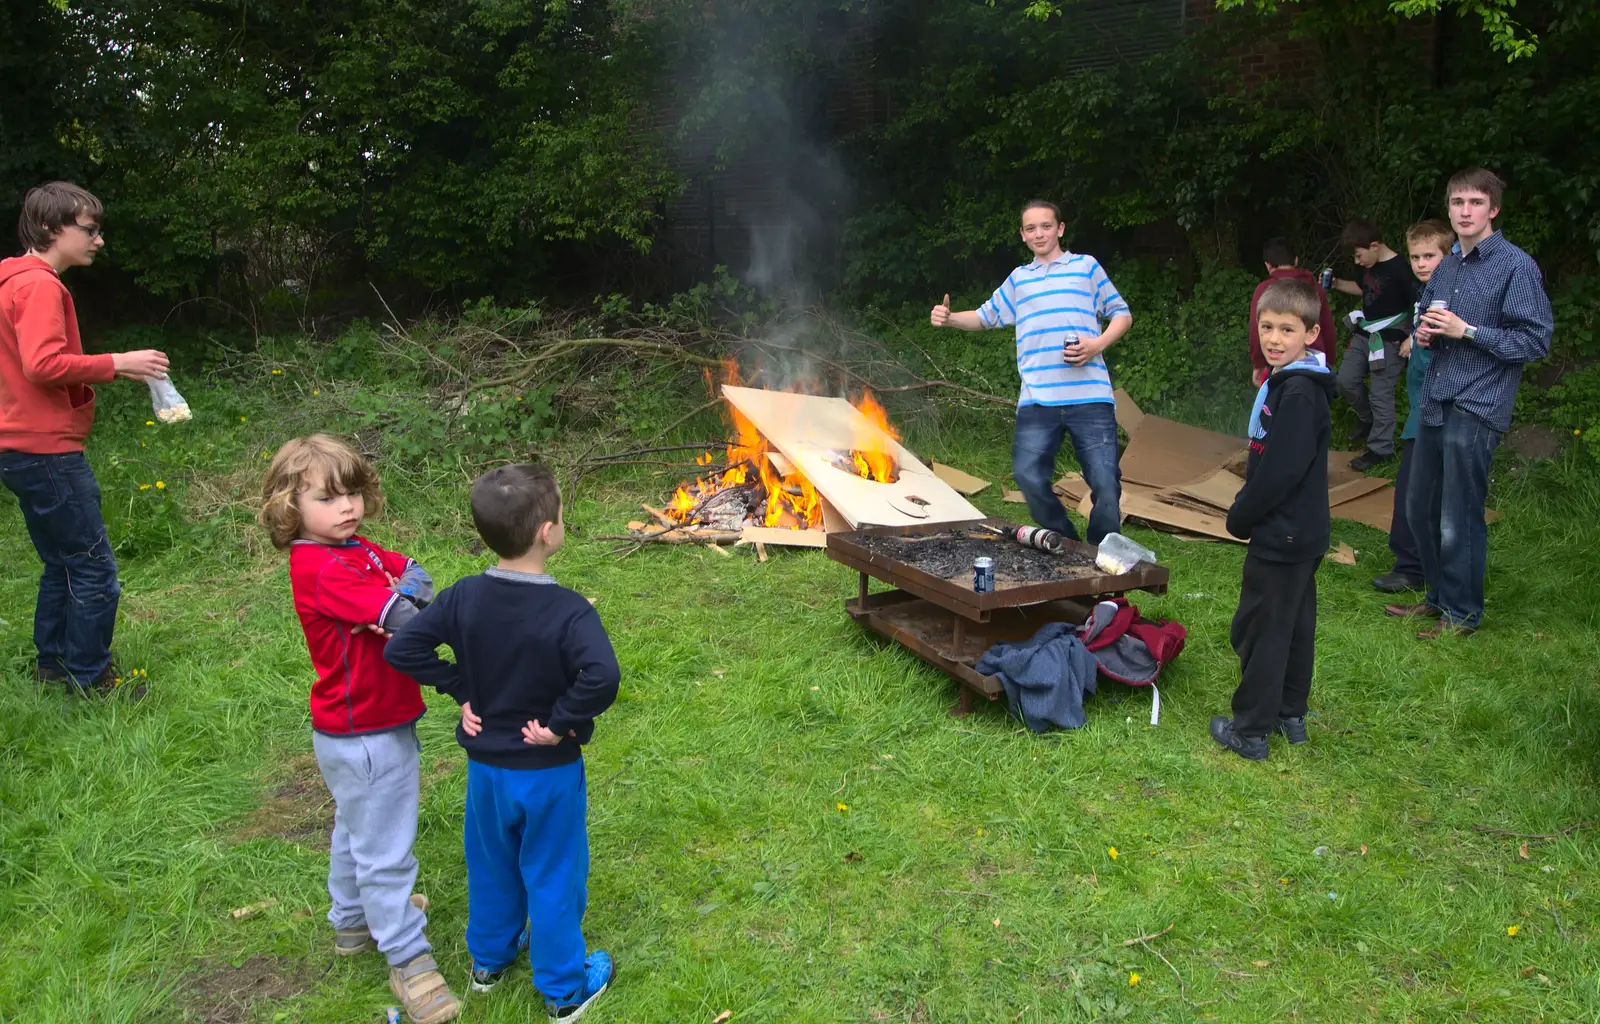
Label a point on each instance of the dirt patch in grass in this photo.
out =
(1536, 442)
(220, 993)
(298, 807)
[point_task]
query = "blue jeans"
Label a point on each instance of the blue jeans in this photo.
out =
(527, 846)
(1093, 429)
(1449, 483)
(78, 590)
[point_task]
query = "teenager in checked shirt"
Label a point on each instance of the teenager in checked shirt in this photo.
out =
(1485, 314)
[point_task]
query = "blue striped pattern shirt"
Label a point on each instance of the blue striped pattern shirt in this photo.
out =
(1498, 289)
(1051, 304)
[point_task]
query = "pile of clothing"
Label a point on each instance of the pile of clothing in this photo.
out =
(1045, 677)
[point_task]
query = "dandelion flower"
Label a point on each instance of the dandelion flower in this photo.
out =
(144, 487)
(149, 423)
(1113, 851)
(243, 420)
(161, 485)
(277, 373)
(1512, 930)
(842, 807)
(1133, 978)
(316, 393)
(980, 831)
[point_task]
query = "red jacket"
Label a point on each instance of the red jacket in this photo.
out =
(337, 588)
(1325, 337)
(46, 403)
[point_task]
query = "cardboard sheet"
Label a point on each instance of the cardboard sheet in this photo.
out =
(1339, 471)
(1218, 489)
(1014, 497)
(964, 483)
(1159, 514)
(1165, 453)
(1129, 415)
(1071, 487)
(1354, 489)
(1374, 509)
(784, 538)
(810, 429)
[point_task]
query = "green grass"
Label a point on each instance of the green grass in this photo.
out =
(969, 879)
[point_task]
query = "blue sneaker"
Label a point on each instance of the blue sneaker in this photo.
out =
(598, 970)
(484, 980)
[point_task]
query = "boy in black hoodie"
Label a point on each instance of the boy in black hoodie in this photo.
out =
(533, 669)
(1282, 510)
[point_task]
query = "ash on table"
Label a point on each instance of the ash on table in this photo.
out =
(949, 555)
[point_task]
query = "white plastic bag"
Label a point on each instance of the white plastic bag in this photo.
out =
(169, 405)
(1118, 554)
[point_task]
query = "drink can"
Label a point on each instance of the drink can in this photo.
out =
(1039, 537)
(1326, 278)
(983, 575)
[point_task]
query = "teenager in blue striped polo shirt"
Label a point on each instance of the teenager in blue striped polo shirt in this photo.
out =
(1057, 304)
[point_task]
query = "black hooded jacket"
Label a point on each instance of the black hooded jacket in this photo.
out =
(1282, 509)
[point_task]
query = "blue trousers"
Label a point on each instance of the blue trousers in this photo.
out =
(1449, 484)
(527, 847)
(1093, 429)
(76, 611)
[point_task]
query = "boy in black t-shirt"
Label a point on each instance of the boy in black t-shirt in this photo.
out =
(1388, 291)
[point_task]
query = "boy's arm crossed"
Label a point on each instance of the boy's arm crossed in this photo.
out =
(345, 595)
(596, 675)
(1282, 465)
(414, 650)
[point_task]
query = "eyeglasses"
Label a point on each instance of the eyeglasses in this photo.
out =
(93, 231)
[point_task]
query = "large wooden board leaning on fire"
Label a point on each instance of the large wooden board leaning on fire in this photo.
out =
(800, 466)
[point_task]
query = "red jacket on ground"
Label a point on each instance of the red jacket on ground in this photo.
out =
(1325, 337)
(46, 403)
(337, 588)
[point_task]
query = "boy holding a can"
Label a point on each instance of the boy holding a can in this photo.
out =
(1371, 364)
(1426, 244)
(1485, 315)
(1282, 510)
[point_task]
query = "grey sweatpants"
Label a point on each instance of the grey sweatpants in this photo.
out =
(1373, 403)
(375, 780)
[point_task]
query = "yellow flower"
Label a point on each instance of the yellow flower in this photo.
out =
(144, 487)
(1578, 432)
(160, 486)
(1113, 851)
(277, 373)
(243, 420)
(149, 423)
(316, 393)
(1133, 978)
(842, 807)
(980, 831)
(1512, 930)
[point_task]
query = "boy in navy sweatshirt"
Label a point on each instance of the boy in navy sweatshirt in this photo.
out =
(1282, 510)
(533, 669)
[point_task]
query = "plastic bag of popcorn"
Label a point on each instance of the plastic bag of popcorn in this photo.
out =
(169, 405)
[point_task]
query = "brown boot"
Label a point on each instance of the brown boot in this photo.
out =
(423, 991)
(1443, 628)
(1420, 610)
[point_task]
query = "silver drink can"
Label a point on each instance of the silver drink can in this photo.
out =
(983, 575)
(1326, 278)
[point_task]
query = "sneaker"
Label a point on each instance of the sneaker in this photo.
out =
(598, 970)
(484, 980)
(423, 991)
(1367, 460)
(358, 940)
(1293, 729)
(1396, 582)
(1251, 748)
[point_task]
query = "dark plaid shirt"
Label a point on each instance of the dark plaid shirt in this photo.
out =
(1498, 289)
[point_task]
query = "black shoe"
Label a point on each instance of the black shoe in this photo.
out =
(1359, 432)
(1251, 748)
(1362, 463)
(1396, 582)
(1293, 729)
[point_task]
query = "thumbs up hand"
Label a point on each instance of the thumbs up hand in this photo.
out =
(940, 317)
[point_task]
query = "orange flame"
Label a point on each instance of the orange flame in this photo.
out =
(791, 500)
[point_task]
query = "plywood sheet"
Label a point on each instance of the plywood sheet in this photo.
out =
(964, 483)
(1217, 489)
(808, 429)
(1165, 453)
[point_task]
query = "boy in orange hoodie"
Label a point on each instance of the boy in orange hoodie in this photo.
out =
(46, 411)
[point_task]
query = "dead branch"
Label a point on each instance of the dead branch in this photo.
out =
(1154, 935)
